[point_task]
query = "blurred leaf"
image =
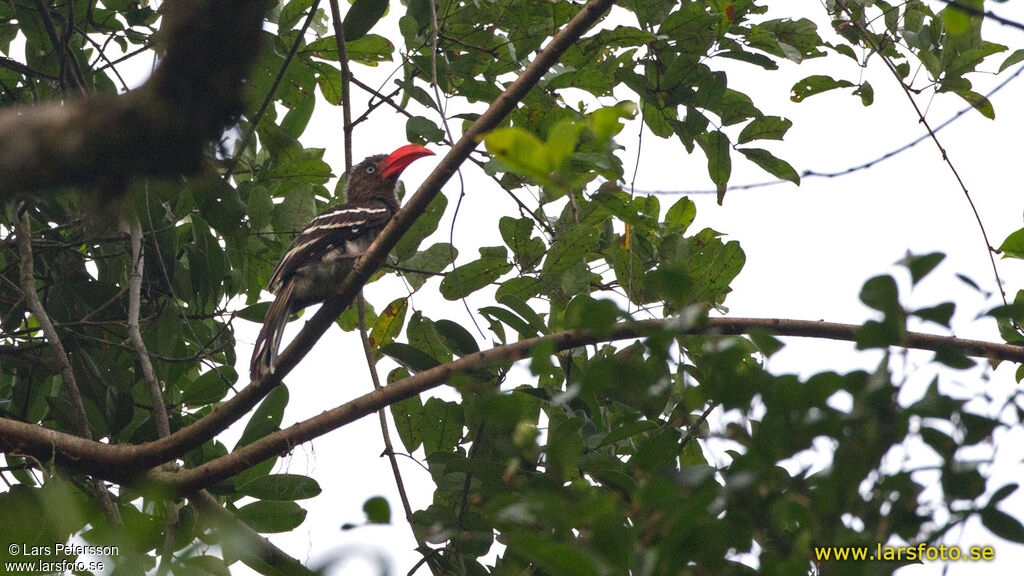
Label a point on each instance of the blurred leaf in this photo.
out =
(281, 487)
(1003, 525)
(473, 276)
(377, 510)
(272, 517)
(362, 15)
(411, 357)
(456, 338)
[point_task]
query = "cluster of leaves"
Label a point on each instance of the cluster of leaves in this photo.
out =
(948, 44)
(594, 461)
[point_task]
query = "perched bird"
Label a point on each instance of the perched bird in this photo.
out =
(323, 253)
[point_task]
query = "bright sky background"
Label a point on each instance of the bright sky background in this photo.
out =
(808, 248)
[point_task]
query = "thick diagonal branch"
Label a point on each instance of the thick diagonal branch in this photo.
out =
(431, 187)
(123, 462)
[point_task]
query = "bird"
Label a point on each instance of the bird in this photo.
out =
(327, 248)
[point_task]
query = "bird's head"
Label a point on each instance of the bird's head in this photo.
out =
(375, 177)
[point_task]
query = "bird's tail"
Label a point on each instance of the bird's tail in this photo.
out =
(264, 357)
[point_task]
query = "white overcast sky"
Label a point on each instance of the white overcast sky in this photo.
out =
(808, 248)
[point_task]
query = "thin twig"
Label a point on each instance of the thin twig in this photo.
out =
(163, 427)
(990, 250)
(67, 374)
(442, 110)
(28, 289)
(270, 93)
(389, 447)
(346, 103)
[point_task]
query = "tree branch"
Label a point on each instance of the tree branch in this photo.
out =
(60, 355)
(163, 427)
(222, 468)
(67, 374)
(431, 187)
(161, 128)
(122, 462)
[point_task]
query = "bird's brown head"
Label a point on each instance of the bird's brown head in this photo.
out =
(375, 177)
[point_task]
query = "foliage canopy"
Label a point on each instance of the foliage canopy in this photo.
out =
(125, 336)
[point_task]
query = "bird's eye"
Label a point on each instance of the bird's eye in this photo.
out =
(371, 169)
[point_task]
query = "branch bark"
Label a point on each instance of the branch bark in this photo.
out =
(431, 187)
(276, 443)
(60, 355)
(163, 427)
(122, 462)
(67, 374)
(161, 128)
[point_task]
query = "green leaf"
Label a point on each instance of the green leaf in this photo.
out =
(766, 343)
(921, 265)
(866, 93)
(456, 338)
(681, 214)
(362, 16)
(266, 418)
(771, 164)
(473, 276)
(441, 425)
(561, 142)
(1003, 525)
(955, 21)
(424, 226)
(1002, 493)
(550, 556)
(978, 102)
(430, 262)
(815, 85)
(410, 357)
(719, 163)
(420, 130)
(515, 322)
(940, 314)
(520, 307)
(764, 128)
(389, 323)
(292, 12)
(881, 294)
(1017, 56)
(607, 122)
(272, 517)
(377, 510)
(521, 151)
(954, 359)
(584, 311)
(202, 565)
(570, 247)
(1013, 246)
(406, 413)
(281, 487)
(368, 50)
(209, 387)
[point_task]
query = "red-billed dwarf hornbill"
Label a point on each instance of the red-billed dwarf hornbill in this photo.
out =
(323, 253)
